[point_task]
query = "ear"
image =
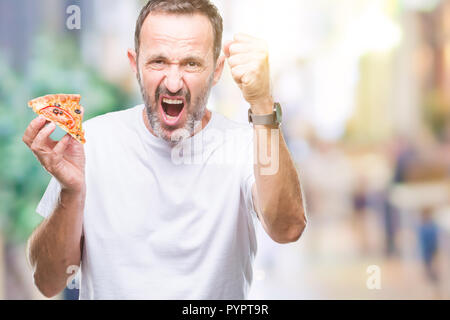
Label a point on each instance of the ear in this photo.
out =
(133, 61)
(219, 68)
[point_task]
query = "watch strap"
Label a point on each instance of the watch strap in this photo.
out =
(264, 119)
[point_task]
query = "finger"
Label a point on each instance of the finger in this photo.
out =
(238, 72)
(62, 144)
(32, 130)
(242, 58)
(42, 141)
(244, 74)
(239, 47)
(226, 48)
(248, 78)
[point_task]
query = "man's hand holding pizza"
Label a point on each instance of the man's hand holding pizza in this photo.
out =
(63, 159)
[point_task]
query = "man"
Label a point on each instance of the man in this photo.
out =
(144, 222)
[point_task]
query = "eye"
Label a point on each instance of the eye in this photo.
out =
(157, 63)
(192, 66)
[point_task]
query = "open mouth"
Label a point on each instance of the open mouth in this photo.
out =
(172, 108)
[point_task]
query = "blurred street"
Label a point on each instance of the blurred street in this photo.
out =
(339, 271)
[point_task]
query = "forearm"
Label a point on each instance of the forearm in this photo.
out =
(278, 187)
(56, 243)
(277, 197)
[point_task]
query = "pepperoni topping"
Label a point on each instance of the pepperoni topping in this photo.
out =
(61, 116)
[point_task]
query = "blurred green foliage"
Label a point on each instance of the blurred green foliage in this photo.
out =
(436, 110)
(54, 66)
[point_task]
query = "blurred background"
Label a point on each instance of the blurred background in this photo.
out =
(365, 90)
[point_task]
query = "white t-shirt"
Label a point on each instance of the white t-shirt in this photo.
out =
(162, 222)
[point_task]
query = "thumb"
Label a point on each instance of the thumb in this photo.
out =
(62, 144)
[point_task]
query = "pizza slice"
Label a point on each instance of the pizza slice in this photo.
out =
(62, 109)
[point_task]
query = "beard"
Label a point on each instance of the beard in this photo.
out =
(194, 111)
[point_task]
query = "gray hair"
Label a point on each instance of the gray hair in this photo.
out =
(204, 7)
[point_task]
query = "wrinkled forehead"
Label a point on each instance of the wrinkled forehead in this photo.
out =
(173, 32)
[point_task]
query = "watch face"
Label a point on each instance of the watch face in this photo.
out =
(278, 112)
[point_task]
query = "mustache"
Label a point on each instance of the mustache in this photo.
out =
(163, 90)
(182, 92)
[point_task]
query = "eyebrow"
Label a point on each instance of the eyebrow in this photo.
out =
(162, 57)
(155, 57)
(192, 58)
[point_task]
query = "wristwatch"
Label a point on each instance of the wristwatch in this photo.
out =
(272, 119)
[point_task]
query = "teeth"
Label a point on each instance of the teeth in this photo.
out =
(172, 101)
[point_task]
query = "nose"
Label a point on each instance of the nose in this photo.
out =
(174, 78)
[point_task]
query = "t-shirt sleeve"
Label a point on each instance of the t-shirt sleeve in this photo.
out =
(249, 178)
(50, 198)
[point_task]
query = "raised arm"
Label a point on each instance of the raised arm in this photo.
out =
(277, 194)
(57, 242)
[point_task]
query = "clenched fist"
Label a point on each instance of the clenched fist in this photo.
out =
(248, 58)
